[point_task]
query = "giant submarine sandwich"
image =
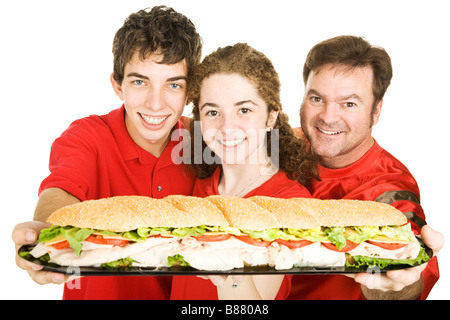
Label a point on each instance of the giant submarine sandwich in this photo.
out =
(219, 233)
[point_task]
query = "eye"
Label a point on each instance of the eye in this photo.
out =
(350, 104)
(315, 99)
(244, 110)
(175, 86)
(211, 113)
(139, 82)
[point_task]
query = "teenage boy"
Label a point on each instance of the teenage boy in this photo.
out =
(345, 81)
(129, 150)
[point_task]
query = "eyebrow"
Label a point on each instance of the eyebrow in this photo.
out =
(351, 96)
(136, 75)
(209, 104)
(240, 103)
(237, 104)
(141, 76)
(312, 91)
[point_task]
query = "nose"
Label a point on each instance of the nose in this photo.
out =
(226, 122)
(329, 113)
(228, 125)
(155, 99)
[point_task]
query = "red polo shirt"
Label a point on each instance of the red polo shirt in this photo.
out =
(377, 176)
(96, 158)
(280, 186)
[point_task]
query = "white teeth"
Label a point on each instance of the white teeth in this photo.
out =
(153, 120)
(231, 143)
(329, 132)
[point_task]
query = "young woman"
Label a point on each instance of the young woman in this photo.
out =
(248, 149)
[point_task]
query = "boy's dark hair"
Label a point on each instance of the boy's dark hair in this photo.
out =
(160, 30)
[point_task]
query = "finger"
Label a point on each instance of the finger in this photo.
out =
(218, 280)
(407, 276)
(46, 277)
(27, 232)
(39, 276)
(378, 282)
(26, 265)
(432, 238)
(238, 279)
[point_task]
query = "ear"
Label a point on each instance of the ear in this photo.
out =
(376, 115)
(273, 116)
(117, 87)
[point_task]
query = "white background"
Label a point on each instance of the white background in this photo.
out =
(56, 60)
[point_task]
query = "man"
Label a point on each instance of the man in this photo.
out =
(345, 81)
(128, 151)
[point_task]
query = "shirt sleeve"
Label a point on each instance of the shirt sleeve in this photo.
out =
(402, 192)
(72, 161)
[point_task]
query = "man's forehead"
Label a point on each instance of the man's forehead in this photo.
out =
(345, 70)
(341, 82)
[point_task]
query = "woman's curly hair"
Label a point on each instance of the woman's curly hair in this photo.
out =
(295, 158)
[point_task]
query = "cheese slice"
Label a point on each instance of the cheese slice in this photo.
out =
(349, 231)
(59, 238)
(215, 233)
(385, 239)
(111, 236)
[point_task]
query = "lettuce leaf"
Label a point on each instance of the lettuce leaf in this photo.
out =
(191, 231)
(121, 264)
(49, 233)
(314, 234)
(395, 232)
(361, 261)
(336, 236)
(178, 260)
(75, 236)
(269, 234)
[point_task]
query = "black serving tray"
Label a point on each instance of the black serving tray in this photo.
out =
(185, 271)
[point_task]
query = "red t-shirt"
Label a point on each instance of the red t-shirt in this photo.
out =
(96, 158)
(377, 176)
(280, 186)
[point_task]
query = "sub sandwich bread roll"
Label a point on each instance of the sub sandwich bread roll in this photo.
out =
(289, 213)
(224, 232)
(346, 213)
(125, 213)
(244, 214)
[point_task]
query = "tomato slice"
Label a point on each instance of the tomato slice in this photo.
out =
(293, 244)
(213, 237)
(349, 246)
(100, 240)
(254, 242)
(61, 245)
(388, 245)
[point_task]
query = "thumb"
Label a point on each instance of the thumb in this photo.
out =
(27, 232)
(432, 238)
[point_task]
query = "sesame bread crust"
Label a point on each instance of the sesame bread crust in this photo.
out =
(124, 213)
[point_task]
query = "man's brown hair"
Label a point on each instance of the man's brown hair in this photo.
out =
(160, 30)
(352, 52)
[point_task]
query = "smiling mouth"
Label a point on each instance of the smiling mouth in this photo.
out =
(329, 132)
(153, 120)
(231, 143)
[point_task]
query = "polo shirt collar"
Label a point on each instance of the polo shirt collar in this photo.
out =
(368, 159)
